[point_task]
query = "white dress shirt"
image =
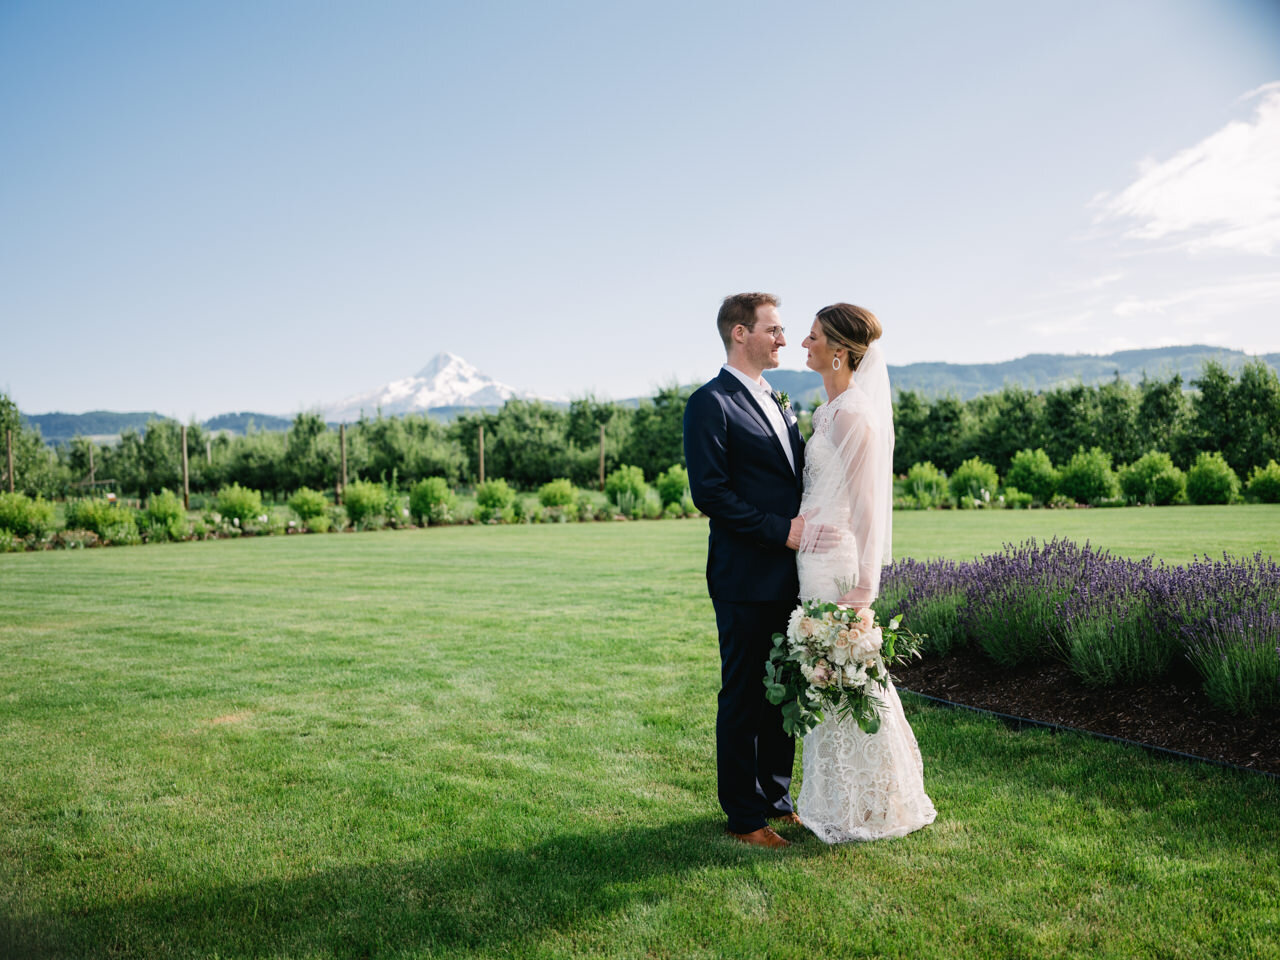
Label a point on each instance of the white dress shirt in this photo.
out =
(773, 413)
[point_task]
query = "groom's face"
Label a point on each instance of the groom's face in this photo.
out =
(764, 339)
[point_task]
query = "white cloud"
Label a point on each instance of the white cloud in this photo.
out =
(1223, 193)
(1208, 300)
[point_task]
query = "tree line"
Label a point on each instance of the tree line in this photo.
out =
(530, 443)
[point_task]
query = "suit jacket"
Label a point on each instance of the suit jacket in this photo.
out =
(740, 478)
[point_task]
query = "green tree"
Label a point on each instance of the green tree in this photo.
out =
(1211, 428)
(911, 439)
(1255, 418)
(1070, 418)
(1016, 423)
(1116, 427)
(657, 431)
(1163, 414)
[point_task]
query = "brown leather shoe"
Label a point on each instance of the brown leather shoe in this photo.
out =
(789, 817)
(764, 837)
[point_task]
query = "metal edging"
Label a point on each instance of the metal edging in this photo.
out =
(1010, 720)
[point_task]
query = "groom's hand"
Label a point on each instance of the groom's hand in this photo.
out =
(797, 533)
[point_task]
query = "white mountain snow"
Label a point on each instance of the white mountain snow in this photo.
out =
(447, 381)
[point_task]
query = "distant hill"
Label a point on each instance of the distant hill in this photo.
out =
(242, 422)
(106, 426)
(61, 427)
(1036, 372)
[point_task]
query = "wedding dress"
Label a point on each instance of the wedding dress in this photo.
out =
(857, 786)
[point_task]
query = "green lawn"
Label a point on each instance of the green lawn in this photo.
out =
(498, 742)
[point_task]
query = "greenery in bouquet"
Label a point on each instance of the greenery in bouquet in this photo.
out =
(832, 658)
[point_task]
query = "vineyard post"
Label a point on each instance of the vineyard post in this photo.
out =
(91, 463)
(8, 439)
(602, 456)
(186, 477)
(208, 451)
(342, 442)
(482, 453)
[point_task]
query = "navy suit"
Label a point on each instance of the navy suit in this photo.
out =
(740, 478)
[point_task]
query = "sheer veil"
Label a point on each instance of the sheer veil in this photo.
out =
(849, 488)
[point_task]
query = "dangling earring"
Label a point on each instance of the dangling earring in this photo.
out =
(835, 362)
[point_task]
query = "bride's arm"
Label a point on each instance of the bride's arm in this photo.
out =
(866, 486)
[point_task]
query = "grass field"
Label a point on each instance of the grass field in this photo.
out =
(498, 742)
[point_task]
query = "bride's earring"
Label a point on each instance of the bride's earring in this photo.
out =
(835, 362)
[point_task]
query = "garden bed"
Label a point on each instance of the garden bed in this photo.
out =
(1173, 713)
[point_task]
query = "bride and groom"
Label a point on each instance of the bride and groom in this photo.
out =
(791, 521)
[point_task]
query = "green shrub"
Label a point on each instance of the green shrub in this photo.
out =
(926, 485)
(319, 523)
(672, 511)
(687, 506)
(166, 516)
(672, 483)
(239, 503)
(1211, 480)
(308, 503)
(974, 482)
(1264, 482)
(75, 539)
(1088, 477)
(366, 502)
(1031, 471)
(111, 522)
(557, 493)
(1153, 478)
(1015, 499)
(623, 482)
(431, 501)
(651, 505)
(338, 519)
(11, 543)
(24, 517)
(493, 514)
(495, 496)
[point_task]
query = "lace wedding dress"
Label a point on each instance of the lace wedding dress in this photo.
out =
(857, 786)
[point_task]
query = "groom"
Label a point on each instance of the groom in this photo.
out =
(745, 459)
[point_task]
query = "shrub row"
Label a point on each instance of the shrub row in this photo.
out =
(1087, 478)
(237, 511)
(1114, 621)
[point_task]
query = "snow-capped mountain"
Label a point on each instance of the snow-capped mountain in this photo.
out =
(447, 381)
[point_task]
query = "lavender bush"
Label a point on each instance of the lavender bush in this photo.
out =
(1014, 605)
(930, 595)
(1114, 621)
(1226, 613)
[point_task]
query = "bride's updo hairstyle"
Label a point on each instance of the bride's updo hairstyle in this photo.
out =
(850, 327)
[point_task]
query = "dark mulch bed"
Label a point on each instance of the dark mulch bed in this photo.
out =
(1173, 714)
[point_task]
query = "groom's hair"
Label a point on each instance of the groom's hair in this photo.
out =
(741, 309)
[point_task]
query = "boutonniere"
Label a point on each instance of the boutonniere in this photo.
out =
(781, 398)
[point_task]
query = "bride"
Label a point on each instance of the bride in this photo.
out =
(857, 786)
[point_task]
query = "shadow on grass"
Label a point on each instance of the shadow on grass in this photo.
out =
(472, 900)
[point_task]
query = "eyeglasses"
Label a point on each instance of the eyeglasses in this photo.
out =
(775, 332)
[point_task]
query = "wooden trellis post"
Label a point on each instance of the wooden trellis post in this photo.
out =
(602, 456)
(482, 453)
(186, 477)
(342, 442)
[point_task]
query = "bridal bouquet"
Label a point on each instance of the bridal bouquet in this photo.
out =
(831, 658)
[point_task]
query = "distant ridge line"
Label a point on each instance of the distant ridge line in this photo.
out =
(1035, 372)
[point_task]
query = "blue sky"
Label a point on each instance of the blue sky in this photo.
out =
(271, 205)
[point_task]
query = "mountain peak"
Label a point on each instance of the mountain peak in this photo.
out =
(442, 361)
(446, 381)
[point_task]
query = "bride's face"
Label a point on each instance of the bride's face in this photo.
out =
(819, 349)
